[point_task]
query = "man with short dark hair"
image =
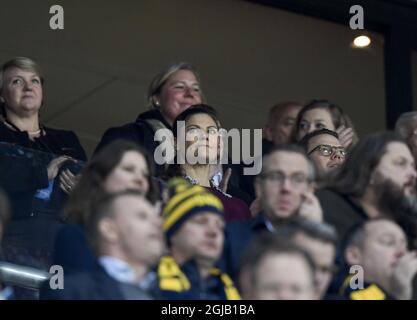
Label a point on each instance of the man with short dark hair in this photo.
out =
(285, 186)
(379, 248)
(285, 190)
(325, 150)
(126, 234)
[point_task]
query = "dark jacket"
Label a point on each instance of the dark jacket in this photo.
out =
(95, 285)
(343, 212)
(238, 235)
(72, 250)
(141, 131)
(23, 165)
(247, 182)
(35, 201)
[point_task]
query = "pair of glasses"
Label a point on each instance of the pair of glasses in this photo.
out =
(297, 180)
(328, 150)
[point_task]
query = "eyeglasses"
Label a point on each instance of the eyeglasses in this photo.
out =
(327, 150)
(297, 180)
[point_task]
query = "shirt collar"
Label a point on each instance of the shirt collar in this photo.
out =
(118, 269)
(214, 182)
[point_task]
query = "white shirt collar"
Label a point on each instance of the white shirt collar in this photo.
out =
(118, 269)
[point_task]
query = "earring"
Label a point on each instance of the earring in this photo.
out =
(157, 103)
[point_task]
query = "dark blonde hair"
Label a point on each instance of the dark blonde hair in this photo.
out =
(161, 78)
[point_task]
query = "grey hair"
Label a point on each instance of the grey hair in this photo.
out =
(402, 126)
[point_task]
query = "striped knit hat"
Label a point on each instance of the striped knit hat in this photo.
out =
(185, 201)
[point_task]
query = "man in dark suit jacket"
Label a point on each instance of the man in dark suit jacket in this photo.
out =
(126, 234)
(284, 189)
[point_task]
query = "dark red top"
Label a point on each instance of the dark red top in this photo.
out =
(234, 208)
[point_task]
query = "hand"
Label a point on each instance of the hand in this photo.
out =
(225, 180)
(255, 207)
(402, 277)
(310, 207)
(55, 165)
(67, 181)
(345, 136)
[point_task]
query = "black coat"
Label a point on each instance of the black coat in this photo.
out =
(23, 165)
(23, 172)
(95, 285)
(141, 132)
(343, 212)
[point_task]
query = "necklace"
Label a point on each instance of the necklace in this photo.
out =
(34, 133)
(14, 127)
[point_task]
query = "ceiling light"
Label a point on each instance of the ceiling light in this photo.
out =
(361, 41)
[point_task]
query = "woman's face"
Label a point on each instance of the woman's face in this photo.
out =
(22, 91)
(130, 173)
(181, 91)
(202, 139)
(313, 120)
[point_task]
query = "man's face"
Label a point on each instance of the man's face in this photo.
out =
(284, 276)
(385, 243)
(326, 152)
(282, 185)
(136, 229)
(201, 237)
(323, 254)
(281, 129)
(398, 166)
